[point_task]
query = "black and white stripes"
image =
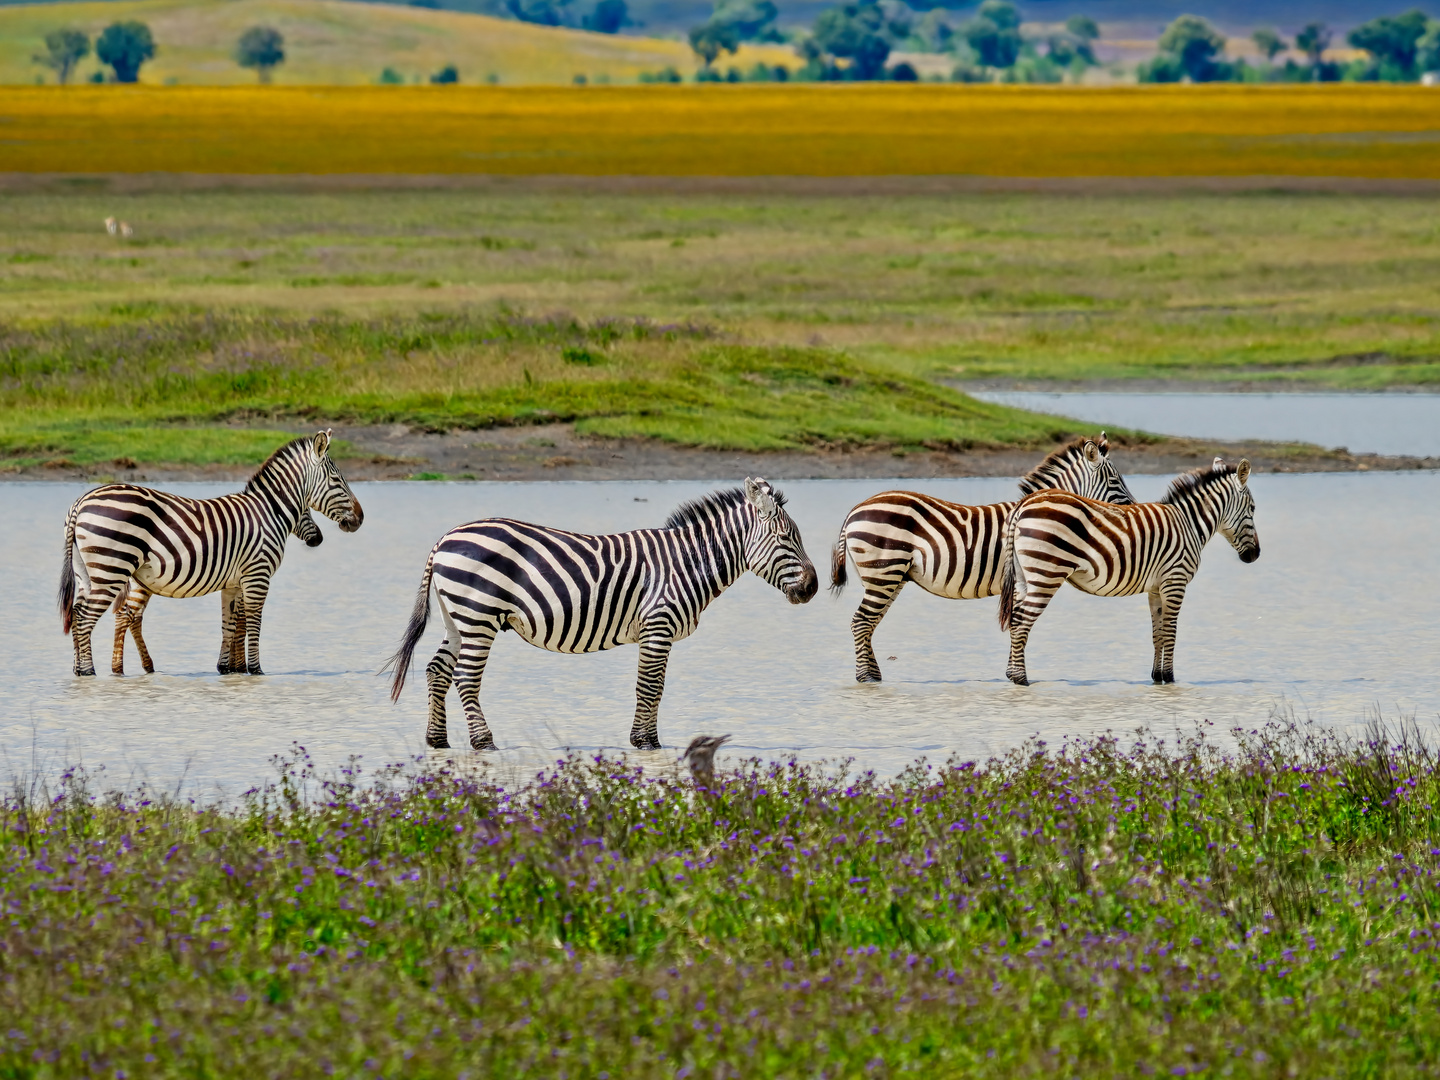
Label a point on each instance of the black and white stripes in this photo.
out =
(1106, 550)
(946, 548)
(578, 593)
(175, 546)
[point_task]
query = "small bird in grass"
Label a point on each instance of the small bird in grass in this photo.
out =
(700, 756)
(111, 225)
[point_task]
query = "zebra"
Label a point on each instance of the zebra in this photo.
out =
(176, 546)
(1105, 550)
(574, 593)
(946, 548)
(130, 611)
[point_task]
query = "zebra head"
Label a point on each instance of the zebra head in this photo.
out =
(326, 490)
(1237, 510)
(306, 529)
(1083, 468)
(773, 548)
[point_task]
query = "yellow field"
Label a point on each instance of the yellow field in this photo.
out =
(334, 43)
(747, 130)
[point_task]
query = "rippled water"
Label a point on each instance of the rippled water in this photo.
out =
(1364, 423)
(1338, 617)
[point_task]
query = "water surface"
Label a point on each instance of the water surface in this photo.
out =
(1336, 618)
(1392, 424)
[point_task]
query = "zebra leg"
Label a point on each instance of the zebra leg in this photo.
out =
(232, 643)
(439, 674)
(880, 593)
(469, 669)
(1171, 596)
(1157, 633)
(252, 600)
(129, 617)
(1027, 609)
(87, 613)
(654, 655)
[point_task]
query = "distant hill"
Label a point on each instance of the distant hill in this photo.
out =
(338, 43)
(1124, 18)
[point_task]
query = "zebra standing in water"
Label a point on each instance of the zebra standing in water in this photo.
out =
(946, 548)
(575, 593)
(1106, 550)
(130, 611)
(176, 546)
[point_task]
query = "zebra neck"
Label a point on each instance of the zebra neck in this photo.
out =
(285, 501)
(719, 555)
(1201, 513)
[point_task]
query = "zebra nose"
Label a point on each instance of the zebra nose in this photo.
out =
(1250, 554)
(356, 518)
(804, 590)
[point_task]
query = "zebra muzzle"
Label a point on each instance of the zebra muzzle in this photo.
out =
(804, 590)
(356, 518)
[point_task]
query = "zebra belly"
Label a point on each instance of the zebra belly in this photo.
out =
(151, 575)
(554, 644)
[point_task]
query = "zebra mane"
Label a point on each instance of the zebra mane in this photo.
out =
(697, 511)
(1196, 481)
(279, 452)
(1040, 477)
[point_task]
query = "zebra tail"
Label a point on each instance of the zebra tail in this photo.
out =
(419, 617)
(1007, 572)
(66, 597)
(839, 571)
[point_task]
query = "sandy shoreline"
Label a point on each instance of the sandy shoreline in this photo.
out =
(556, 452)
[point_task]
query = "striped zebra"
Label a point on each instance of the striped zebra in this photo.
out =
(1105, 550)
(176, 546)
(574, 593)
(946, 548)
(130, 612)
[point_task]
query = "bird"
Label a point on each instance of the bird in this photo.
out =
(126, 230)
(700, 757)
(110, 225)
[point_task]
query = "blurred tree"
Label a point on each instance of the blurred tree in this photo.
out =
(853, 32)
(1075, 46)
(1427, 49)
(391, 77)
(63, 50)
(449, 75)
(1392, 43)
(609, 17)
(1268, 42)
(1083, 27)
(541, 12)
(261, 48)
(711, 39)
(1313, 41)
(994, 33)
(1195, 46)
(124, 46)
(904, 72)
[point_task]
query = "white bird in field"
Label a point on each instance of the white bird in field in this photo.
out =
(125, 229)
(110, 225)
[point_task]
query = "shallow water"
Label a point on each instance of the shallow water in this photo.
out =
(1364, 423)
(1338, 617)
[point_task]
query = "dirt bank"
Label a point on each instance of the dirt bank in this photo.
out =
(556, 452)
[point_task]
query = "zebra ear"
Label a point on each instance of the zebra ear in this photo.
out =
(758, 495)
(1092, 453)
(1218, 464)
(1242, 471)
(1104, 444)
(322, 443)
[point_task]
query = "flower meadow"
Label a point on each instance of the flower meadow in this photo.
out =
(814, 130)
(1113, 906)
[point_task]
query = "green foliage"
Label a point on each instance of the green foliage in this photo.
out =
(1313, 40)
(713, 38)
(125, 46)
(391, 77)
(664, 75)
(1393, 44)
(1189, 48)
(449, 75)
(609, 17)
(1150, 908)
(541, 12)
(261, 48)
(855, 32)
(1270, 43)
(63, 50)
(994, 34)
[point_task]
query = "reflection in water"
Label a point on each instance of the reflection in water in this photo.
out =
(1365, 423)
(1337, 618)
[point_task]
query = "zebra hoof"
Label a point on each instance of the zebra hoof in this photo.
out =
(253, 671)
(868, 676)
(1017, 677)
(84, 671)
(652, 743)
(487, 743)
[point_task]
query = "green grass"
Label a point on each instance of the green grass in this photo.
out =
(1097, 909)
(777, 321)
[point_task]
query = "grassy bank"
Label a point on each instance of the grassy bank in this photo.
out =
(1092, 909)
(744, 321)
